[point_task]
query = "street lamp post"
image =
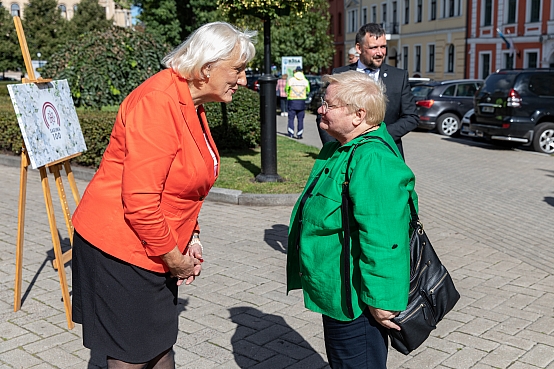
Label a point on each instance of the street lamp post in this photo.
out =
(268, 83)
(39, 61)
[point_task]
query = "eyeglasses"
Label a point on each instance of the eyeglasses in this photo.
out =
(326, 107)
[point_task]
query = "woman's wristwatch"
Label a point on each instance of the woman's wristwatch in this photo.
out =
(196, 240)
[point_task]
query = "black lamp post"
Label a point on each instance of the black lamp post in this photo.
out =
(268, 83)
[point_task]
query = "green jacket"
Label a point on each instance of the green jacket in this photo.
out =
(380, 186)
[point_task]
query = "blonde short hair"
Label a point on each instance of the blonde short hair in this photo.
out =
(359, 91)
(209, 44)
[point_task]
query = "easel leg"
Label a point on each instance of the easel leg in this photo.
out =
(66, 213)
(20, 229)
(57, 246)
(72, 183)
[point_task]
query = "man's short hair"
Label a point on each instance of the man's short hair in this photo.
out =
(373, 29)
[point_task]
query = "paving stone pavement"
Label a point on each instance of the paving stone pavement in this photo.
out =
(488, 211)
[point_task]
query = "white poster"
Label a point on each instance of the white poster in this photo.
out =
(48, 121)
(289, 64)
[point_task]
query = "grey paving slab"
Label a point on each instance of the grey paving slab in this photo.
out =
(488, 211)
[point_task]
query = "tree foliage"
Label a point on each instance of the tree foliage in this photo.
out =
(298, 28)
(104, 67)
(90, 16)
(44, 27)
(10, 53)
(160, 18)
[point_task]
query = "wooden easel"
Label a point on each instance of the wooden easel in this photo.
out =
(60, 258)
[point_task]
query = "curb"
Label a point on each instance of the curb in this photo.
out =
(216, 194)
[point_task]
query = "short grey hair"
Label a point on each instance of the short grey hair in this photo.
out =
(209, 44)
(353, 51)
(359, 91)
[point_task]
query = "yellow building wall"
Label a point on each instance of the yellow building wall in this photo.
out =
(120, 17)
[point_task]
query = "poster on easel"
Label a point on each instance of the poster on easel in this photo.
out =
(48, 121)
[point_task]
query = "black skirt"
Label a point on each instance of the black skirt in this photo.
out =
(127, 313)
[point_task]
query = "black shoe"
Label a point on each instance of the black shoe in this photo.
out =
(299, 137)
(290, 135)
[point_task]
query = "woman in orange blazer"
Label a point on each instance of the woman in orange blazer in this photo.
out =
(136, 228)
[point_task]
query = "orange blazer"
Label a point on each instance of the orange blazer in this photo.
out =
(154, 175)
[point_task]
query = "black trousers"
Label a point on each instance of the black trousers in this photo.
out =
(361, 343)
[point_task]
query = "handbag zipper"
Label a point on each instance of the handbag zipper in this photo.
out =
(432, 290)
(418, 279)
(421, 306)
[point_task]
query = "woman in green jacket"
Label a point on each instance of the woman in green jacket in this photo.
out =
(357, 305)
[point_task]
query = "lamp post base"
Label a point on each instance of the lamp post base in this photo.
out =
(268, 178)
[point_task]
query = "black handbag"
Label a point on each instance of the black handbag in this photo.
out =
(432, 292)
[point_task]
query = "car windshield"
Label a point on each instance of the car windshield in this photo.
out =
(421, 91)
(498, 83)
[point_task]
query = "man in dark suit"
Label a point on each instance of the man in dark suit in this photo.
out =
(401, 116)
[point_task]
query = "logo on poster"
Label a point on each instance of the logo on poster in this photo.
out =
(52, 120)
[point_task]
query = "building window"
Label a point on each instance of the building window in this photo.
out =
(364, 15)
(331, 25)
(405, 57)
(63, 11)
(487, 14)
(450, 59)
(431, 58)
(535, 11)
(374, 14)
(14, 9)
(508, 61)
(339, 19)
(417, 65)
(485, 65)
(406, 11)
(451, 8)
(352, 21)
(419, 10)
(433, 9)
(394, 28)
(74, 8)
(384, 14)
(532, 59)
(512, 7)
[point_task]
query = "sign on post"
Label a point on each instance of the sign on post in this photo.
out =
(289, 64)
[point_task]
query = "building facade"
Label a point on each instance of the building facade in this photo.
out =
(336, 28)
(509, 34)
(425, 37)
(120, 16)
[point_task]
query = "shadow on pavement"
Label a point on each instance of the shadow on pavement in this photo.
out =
(549, 200)
(65, 246)
(277, 237)
(267, 341)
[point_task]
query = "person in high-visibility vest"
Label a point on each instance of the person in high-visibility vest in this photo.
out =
(297, 90)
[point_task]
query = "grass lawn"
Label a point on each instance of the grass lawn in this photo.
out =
(294, 163)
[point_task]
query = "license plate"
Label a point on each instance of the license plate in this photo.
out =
(487, 109)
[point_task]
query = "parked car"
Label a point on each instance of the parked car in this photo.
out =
(468, 117)
(252, 81)
(442, 105)
(517, 107)
(417, 80)
(315, 84)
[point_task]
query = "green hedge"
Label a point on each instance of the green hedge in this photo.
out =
(234, 126)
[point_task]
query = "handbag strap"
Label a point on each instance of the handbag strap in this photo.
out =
(345, 207)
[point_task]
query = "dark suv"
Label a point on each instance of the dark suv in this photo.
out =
(517, 107)
(442, 104)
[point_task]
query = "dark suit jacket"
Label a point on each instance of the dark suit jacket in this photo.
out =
(401, 116)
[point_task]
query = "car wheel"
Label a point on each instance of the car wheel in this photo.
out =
(448, 124)
(543, 139)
